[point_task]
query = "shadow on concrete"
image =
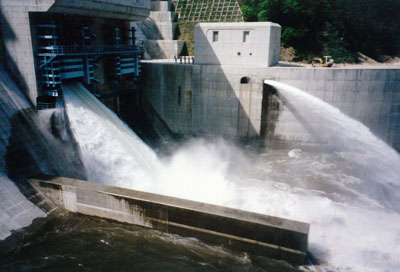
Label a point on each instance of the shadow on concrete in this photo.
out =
(273, 104)
(199, 100)
(37, 146)
(41, 142)
(240, 86)
(8, 35)
(136, 112)
(154, 49)
(269, 112)
(30, 143)
(301, 119)
(150, 29)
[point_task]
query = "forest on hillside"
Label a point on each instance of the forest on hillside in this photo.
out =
(339, 28)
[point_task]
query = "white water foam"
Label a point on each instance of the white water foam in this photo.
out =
(111, 152)
(363, 154)
(352, 228)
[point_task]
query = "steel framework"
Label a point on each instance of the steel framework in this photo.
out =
(61, 62)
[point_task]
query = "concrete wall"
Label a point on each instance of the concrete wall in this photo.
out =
(159, 31)
(17, 31)
(204, 99)
(164, 49)
(161, 5)
(31, 142)
(254, 233)
(115, 9)
(371, 96)
(16, 211)
(260, 48)
(209, 99)
(18, 42)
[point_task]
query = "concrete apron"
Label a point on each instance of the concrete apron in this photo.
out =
(257, 234)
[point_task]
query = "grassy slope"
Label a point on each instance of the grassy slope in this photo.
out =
(186, 33)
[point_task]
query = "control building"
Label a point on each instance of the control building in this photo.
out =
(244, 44)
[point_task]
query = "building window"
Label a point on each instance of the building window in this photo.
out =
(215, 36)
(246, 35)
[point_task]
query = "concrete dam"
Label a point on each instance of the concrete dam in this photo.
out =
(234, 101)
(245, 155)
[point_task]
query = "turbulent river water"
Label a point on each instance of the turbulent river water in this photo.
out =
(347, 188)
(80, 243)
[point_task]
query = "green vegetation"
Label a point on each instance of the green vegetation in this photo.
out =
(186, 33)
(209, 11)
(339, 28)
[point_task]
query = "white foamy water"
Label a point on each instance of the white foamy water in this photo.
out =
(111, 152)
(363, 155)
(348, 192)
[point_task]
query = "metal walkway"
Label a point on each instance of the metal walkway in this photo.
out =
(61, 62)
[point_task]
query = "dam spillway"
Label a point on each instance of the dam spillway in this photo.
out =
(215, 102)
(323, 122)
(347, 190)
(290, 183)
(106, 141)
(353, 185)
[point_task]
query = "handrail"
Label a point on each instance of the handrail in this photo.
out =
(184, 59)
(89, 49)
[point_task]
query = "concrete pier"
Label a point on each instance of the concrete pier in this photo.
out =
(256, 234)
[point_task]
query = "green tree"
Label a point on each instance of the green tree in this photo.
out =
(336, 47)
(301, 21)
(336, 27)
(372, 26)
